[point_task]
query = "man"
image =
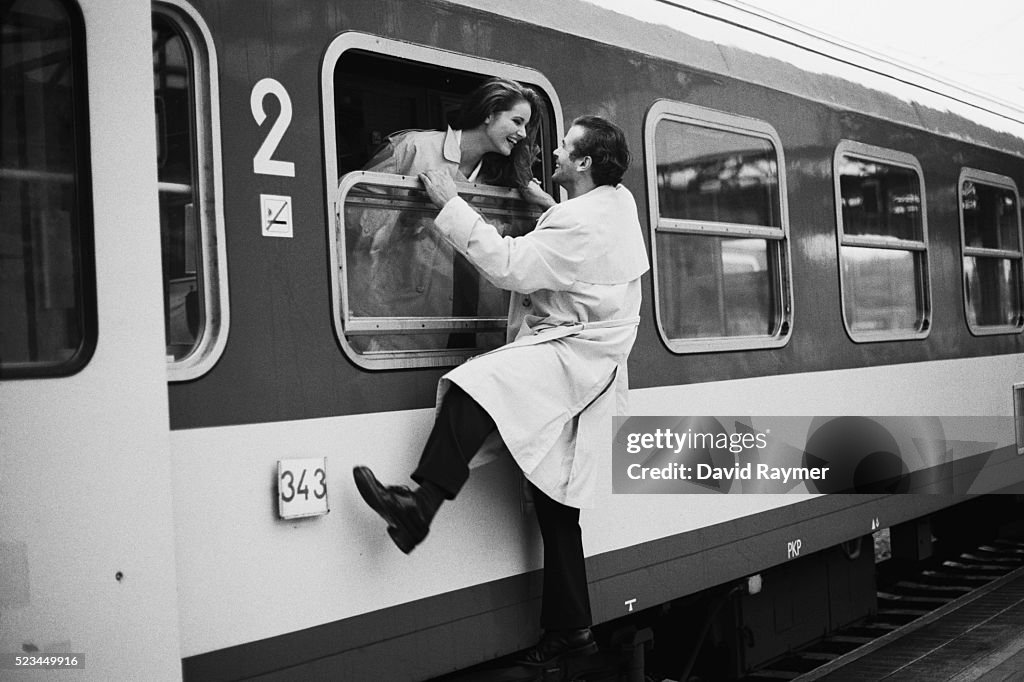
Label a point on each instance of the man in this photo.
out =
(551, 391)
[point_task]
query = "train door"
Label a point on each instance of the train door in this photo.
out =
(87, 573)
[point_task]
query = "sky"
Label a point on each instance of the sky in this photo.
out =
(979, 43)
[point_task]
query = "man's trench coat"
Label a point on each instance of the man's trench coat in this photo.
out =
(575, 306)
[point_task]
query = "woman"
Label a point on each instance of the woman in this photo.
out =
(493, 140)
(397, 266)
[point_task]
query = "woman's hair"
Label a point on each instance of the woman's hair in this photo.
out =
(492, 97)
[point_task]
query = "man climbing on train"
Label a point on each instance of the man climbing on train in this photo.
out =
(550, 392)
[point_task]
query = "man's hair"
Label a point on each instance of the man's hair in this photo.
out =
(605, 143)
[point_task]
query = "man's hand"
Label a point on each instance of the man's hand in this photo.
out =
(535, 195)
(440, 186)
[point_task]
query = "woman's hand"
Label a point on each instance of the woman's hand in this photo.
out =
(535, 195)
(440, 187)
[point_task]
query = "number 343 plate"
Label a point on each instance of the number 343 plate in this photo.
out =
(301, 487)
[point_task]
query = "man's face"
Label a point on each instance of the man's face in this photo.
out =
(566, 168)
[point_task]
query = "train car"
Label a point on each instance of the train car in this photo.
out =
(188, 373)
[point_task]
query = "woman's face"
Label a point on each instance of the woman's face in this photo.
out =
(506, 128)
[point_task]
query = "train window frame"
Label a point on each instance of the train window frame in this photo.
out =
(207, 185)
(81, 250)
(779, 271)
(996, 181)
(922, 279)
(336, 190)
(1018, 416)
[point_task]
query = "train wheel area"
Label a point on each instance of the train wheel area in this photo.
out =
(974, 637)
(948, 605)
(940, 597)
(620, 659)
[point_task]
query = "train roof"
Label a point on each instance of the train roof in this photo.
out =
(738, 42)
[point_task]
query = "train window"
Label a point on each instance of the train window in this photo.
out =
(720, 221)
(47, 278)
(188, 173)
(402, 296)
(991, 243)
(883, 253)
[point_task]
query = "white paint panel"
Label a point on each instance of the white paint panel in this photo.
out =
(239, 565)
(85, 477)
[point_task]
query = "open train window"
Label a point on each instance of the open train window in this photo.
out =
(883, 243)
(189, 182)
(47, 271)
(990, 235)
(721, 226)
(402, 297)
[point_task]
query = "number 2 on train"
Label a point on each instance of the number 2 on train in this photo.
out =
(264, 163)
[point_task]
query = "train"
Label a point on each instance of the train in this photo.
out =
(186, 379)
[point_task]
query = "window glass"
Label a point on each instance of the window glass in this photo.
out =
(406, 287)
(716, 175)
(721, 247)
(172, 88)
(46, 281)
(727, 283)
(991, 218)
(403, 296)
(880, 292)
(880, 200)
(882, 243)
(992, 254)
(992, 288)
(195, 288)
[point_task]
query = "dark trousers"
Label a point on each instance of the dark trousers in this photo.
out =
(461, 427)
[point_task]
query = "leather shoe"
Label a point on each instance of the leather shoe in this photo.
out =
(558, 644)
(407, 518)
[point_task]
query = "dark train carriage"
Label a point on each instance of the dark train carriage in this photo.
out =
(825, 240)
